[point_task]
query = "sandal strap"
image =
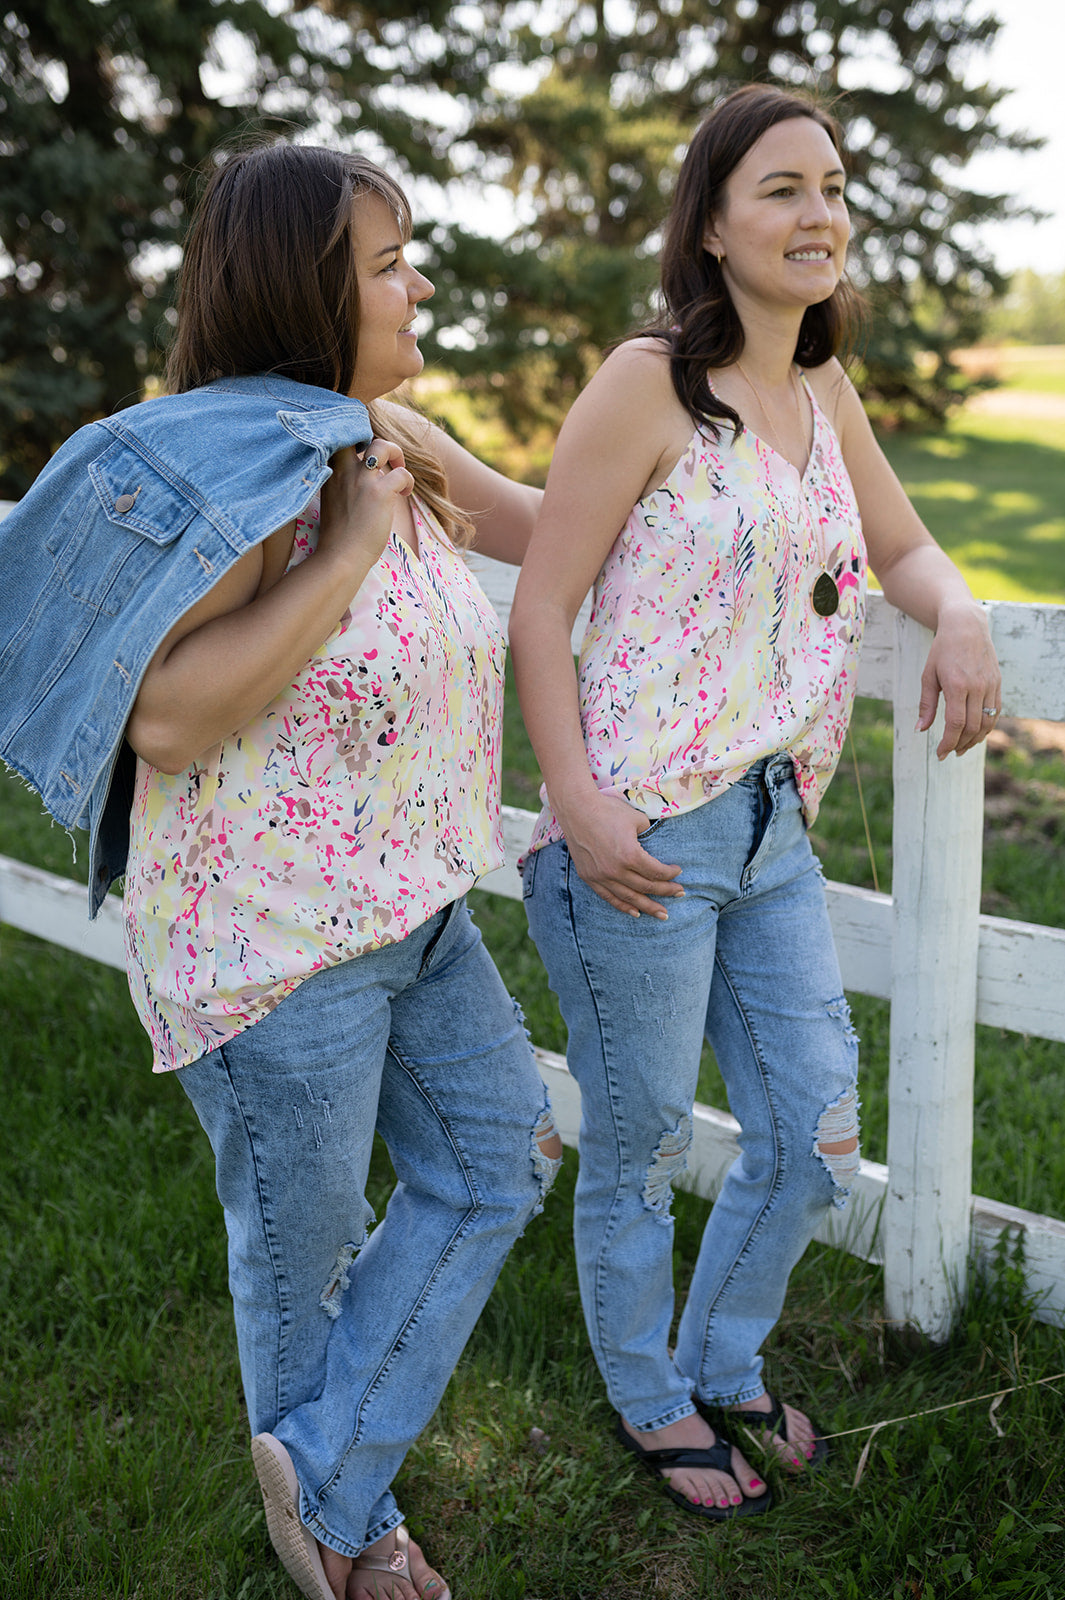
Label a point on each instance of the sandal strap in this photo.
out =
(398, 1569)
(717, 1456)
(770, 1419)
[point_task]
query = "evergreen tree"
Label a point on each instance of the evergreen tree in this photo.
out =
(107, 107)
(595, 142)
(580, 110)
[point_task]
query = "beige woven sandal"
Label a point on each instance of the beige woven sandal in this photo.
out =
(295, 1544)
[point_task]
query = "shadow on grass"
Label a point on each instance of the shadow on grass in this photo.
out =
(996, 505)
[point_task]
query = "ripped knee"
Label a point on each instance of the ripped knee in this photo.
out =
(669, 1160)
(546, 1152)
(836, 1143)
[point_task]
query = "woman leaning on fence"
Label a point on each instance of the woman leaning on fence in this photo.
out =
(718, 483)
(317, 788)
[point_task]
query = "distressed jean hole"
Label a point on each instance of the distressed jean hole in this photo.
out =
(546, 1152)
(836, 1143)
(669, 1161)
(338, 1281)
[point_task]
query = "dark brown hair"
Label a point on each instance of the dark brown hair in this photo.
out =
(268, 284)
(699, 321)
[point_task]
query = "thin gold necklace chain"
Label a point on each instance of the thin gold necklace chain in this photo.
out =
(831, 600)
(765, 409)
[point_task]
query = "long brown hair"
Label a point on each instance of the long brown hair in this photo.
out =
(268, 284)
(700, 322)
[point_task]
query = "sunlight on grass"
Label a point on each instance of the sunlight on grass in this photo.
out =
(945, 489)
(1003, 522)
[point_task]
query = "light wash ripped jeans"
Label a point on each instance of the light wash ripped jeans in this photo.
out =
(747, 959)
(347, 1339)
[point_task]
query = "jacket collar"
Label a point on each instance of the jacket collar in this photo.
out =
(310, 413)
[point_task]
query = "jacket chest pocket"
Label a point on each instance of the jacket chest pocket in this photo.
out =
(124, 528)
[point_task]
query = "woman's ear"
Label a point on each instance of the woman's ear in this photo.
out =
(712, 244)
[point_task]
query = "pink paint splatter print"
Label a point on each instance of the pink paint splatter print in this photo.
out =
(703, 652)
(347, 813)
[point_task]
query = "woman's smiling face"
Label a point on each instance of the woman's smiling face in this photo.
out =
(782, 228)
(390, 290)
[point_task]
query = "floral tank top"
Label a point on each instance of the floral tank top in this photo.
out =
(343, 816)
(703, 652)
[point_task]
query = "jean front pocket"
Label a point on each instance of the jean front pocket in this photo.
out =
(653, 827)
(528, 874)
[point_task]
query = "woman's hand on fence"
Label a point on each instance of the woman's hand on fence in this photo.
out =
(963, 667)
(604, 842)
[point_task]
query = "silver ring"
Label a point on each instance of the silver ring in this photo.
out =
(370, 463)
(989, 711)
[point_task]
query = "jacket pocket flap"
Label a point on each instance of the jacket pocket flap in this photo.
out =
(138, 497)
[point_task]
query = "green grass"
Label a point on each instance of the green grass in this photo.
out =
(992, 491)
(1032, 369)
(123, 1452)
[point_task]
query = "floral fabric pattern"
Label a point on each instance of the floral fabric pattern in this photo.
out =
(341, 818)
(703, 652)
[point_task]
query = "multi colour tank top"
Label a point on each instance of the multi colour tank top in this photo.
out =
(703, 652)
(354, 807)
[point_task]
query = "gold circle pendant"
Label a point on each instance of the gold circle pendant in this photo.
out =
(824, 596)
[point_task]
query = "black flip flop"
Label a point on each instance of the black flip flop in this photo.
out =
(759, 1421)
(717, 1456)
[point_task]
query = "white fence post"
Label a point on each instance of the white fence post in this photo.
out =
(937, 849)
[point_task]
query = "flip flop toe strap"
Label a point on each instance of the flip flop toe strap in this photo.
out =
(717, 1456)
(398, 1563)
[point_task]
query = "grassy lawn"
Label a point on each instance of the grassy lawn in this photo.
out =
(1034, 369)
(122, 1434)
(992, 490)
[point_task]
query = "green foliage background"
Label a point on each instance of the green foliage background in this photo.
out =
(568, 116)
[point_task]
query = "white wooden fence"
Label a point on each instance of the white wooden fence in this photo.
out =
(925, 948)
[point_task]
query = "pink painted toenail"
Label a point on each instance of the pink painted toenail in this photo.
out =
(756, 1483)
(736, 1499)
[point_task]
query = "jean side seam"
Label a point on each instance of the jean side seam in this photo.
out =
(610, 1224)
(284, 1309)
(472, 1212)
(777, 1183)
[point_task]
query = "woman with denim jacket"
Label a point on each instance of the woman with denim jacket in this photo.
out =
(718, 484)
(316, 789)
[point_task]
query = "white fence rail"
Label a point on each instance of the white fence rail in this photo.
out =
(925, 948)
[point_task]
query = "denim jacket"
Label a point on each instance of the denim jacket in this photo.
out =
(132, 521)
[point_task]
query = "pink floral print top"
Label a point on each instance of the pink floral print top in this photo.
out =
(703, 652)
(353, 808)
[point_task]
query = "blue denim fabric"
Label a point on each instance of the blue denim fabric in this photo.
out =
(746, 958)
(132, 521)
(347, 1338)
